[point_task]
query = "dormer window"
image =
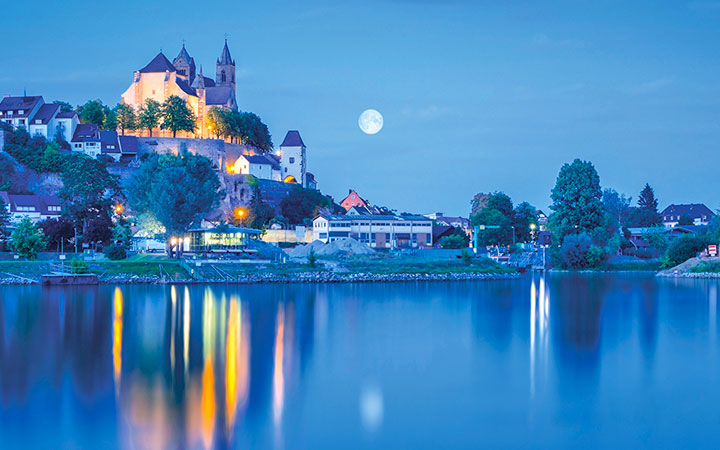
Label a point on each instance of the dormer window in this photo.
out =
(22, 111)
(38, 121)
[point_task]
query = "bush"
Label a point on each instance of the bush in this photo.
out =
(312, 259)
(115, 252)
(595, 256)
(466, 256)
(574, 250)
(452, 241)
(684, 248)
(78, 266)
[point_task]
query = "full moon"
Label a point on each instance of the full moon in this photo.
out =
(370, 121)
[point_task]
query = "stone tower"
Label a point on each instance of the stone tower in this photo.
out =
(225, 74)
(185, 65)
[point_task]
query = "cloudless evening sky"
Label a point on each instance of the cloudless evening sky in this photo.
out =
(476, 95)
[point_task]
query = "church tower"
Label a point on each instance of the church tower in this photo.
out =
(185, 65)
(225, 74)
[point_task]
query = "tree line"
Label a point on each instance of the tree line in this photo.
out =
(588, 224)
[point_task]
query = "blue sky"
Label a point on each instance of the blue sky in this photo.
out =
(476, 95)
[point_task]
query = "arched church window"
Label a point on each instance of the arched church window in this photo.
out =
(222, 76)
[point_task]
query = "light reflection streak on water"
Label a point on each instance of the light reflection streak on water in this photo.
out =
(117, 337)
(236, 362)
(278, 377)
(712, 315)
(539, 315)
(186, 330)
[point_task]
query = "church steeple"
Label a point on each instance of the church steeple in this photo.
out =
(225, 72)
(200, 80)
(185, 64)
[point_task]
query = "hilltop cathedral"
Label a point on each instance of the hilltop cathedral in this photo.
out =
(160, 79)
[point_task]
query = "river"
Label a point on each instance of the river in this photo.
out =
(562, 361)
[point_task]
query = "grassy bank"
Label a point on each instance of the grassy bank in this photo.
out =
(146, 267)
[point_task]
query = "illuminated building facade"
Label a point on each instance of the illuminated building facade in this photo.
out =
(160, 79)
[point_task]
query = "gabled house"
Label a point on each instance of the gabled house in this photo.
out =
(697, 212)
(353, 199)
(36, 207)
(86, 139)
(260, 166)
(19, 111)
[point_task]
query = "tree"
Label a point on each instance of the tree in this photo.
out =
(111, 120)
(149, 115)
(302, 204)
(452, 241)
(87, 190)
(683, 248)
(259, 213)
(647, 199)
(251, 130)
(478, 202)
(92, 111)
(176, 116)
(685, 220)
(126, 117)
(99, 229)
(7, 170)
(4, 220)
(177, 190)
(27, 240)
(642, 218)
(64, 106)
(616, 205)
(58, 231)
(524, 215)
(498, 211)
(577, 207)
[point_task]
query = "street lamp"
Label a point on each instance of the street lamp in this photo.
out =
(119, 209)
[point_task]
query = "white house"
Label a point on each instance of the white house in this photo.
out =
(19, 111)
(260, 166)
(37, 117)
(375, 230)
(698, 213)
(86, 139)
(36, 207)
(293, 162)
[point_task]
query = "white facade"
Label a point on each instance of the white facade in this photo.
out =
(292, 163)
(376, 231)
(248, 166)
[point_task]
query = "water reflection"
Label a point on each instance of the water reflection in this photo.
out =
(309, 366)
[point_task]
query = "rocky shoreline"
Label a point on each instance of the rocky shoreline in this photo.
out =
(667, 274)
(303, 277)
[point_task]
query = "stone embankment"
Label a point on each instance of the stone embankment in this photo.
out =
(302, 277)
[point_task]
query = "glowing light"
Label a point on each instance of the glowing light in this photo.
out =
(240, 212)
(207, 402)
(290, 179)
(371, 408)
(117, 336)
(119, 209)
(278, 376)
(236, 363)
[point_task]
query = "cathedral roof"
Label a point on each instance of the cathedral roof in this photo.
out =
(218, 95)
(159, 64)
(183, 55)
(292, 139)
(225, 57)
(182, 84)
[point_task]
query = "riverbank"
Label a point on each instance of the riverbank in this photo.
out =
(707, 267)
(148, 269)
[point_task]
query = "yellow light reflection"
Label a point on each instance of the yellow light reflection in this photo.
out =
(278, 377)
(236, 363)
(207, 402)
(117, 336)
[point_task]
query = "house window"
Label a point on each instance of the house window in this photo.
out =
(9, 113)
(38, 121)
(21, 121)
(21, 112)
(292, 160)
(153, 92)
